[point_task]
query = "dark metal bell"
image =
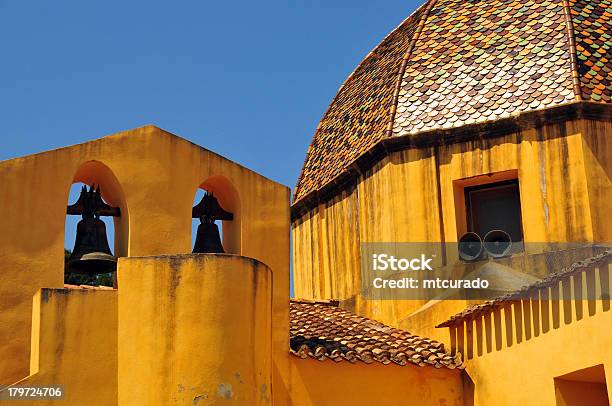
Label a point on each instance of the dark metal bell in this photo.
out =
(208, 239)
(91, 253)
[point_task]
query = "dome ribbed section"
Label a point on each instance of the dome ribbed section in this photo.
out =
(460, 62)
(361, 111)
(478, 61)
(592, 23)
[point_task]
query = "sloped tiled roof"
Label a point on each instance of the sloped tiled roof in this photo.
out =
(87, 287)
(458, 62)
(322, 330)
(523, 293)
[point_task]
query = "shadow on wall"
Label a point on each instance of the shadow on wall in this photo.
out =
(510, 323)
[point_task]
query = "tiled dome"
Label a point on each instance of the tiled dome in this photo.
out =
(458, 62)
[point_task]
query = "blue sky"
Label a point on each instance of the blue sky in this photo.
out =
(248, 80)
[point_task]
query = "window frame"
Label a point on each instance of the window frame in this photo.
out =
(470, 218)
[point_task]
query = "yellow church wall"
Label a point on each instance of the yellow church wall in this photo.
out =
(565, 190)
(597, 148)
(74, 344)
(429, 315)
(327, 241)
(529, 343)
(321, 383)
(195, 329)
(398, 217)
(550, 167)
(152, 176)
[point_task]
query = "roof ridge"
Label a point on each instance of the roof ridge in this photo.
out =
(372, 52)
(398, 85)
(87, 287)
(322, 302)
(571, 37)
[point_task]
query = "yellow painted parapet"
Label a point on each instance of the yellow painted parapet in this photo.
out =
(152, 176)
(74, 344)
(195, 329)
(317, 383)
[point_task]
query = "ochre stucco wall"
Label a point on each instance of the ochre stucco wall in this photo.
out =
(597, 149)
(195, 329)
(74, 344)
(566, 196)
(154, 179)
(513, 354)
(322, 383)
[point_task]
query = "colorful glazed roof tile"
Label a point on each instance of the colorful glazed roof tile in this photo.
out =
(553, 279)
(322, 330)
(482, 60)
(360, 112)
(592, 25)
(458, 62)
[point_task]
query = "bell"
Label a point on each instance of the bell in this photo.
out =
(208, 240)
(91, 253)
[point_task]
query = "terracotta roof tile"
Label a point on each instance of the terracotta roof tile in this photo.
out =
(87, 287)
(554, 278)
(458, 62)
(322, 330)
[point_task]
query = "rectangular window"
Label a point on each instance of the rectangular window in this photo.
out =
(583, 387)
(495, 206)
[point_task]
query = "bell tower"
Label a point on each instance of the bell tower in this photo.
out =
(206, 325)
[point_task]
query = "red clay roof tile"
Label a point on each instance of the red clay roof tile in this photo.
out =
(322, 330)
(88, 287)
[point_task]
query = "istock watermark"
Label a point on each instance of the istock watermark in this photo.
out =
(384, 262)
(439, 271)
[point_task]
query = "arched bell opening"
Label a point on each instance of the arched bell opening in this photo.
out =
(96, 226)
(216, 217)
